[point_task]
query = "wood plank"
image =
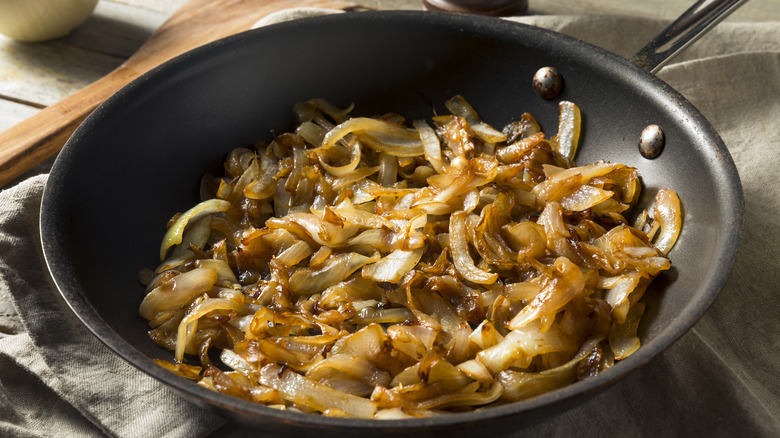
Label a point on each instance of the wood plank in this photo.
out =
(12, 113)
(116, 29)
(44, 74)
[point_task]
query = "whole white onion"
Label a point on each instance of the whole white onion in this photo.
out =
(40, 20)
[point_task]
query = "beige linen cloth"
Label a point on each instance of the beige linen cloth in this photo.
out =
(720, 379)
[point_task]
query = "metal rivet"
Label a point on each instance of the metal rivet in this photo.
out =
(547, 83)
(651, 142)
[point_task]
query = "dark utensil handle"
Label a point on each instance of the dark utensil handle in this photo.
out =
(691, 25)
(496, 8)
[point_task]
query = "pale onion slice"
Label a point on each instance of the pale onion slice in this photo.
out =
(196, 234)
(555, 230)
(431, 144)
(568, 138)
(368, 342)
(236, 362)
(353, 367)
(173, 235)
(429, 396)
(476, 370)
(524, 291)
(618, 292)
(307, 281)
(476, 173)
(362, 218)
(623, 337)
(225, 275)
(393, 315)
(525, 342)
(307, 392)
(358, 179)
(393, 266)
(295, 253)
(668, 213)
(485, 335)
(311, 132)
(584, 198)
(380, 135)
(461, 258)
(519, 385)
(177, 292)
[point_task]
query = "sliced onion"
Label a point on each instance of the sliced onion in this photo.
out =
(380, 135)
(523, 343)
(568, 138)
(623, 337)
(584, 198)
(306, 392)
(178, 291)
(353, 367)
(188, 324)
(460, 252)
(346, 169)
(460, 107)
(307, 281)
(520, 385)
(174, 234)
(393, 266)
(264, 184)
(319, 230)
(567, 281)
(513, 152)
(431, 145)
(668, 213)
(618, 292)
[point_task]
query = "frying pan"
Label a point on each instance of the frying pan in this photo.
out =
(139, 157)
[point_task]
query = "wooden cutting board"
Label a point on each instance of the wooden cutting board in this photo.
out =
(198, 22)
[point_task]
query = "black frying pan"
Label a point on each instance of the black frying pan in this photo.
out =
(139, 157)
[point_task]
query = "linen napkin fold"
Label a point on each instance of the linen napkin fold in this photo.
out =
(720, 379)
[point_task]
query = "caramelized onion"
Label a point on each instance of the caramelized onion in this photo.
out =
(361, 267)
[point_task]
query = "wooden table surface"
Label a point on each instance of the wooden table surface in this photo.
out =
(35, 75)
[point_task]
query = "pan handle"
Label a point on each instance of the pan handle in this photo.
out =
(691, 25)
